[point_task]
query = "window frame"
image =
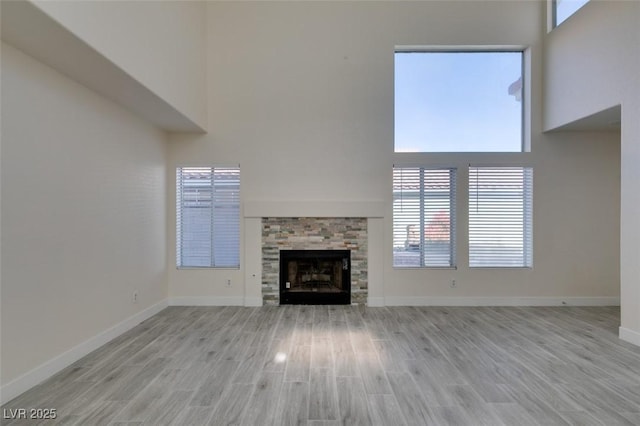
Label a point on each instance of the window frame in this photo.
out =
(525, 54)
(180, 205)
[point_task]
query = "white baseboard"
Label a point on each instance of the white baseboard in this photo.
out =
(253, 301)
(51, 367)
(416, 301)
(501, 301)
(629, 335)
(207, 301)
(375, 301)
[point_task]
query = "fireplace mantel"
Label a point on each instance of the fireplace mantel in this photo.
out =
(313, 208)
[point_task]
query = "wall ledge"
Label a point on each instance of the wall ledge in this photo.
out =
(31, 30)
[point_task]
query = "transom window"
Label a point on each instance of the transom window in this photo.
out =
(470, 101)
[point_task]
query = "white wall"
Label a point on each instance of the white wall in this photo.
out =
(160, 43)
(83, 218)
(592, 63)
(301, 96)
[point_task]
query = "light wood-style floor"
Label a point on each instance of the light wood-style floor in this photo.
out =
(330, 365)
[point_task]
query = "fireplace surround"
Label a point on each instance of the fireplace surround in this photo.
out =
(314, 233)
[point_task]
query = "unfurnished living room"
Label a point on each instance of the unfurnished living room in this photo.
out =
(320, 212)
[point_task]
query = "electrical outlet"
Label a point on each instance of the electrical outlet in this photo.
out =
(134, 298)
(453, 284)
(228, 283)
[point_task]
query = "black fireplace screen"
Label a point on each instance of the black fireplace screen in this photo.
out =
(315, 277)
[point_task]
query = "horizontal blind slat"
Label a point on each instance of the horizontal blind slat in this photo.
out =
(500, 215)
(208, 216)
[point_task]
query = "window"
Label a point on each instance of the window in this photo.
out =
(458, 101)
(500, 216)
(424, 214)
(208, 217)
(562, 9)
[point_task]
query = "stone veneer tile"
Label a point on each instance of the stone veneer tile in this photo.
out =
(309, 233)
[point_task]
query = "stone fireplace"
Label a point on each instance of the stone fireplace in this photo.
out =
(309, 233)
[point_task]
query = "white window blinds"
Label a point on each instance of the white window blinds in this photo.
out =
(208, 217)
(500, 216)
(424, 217)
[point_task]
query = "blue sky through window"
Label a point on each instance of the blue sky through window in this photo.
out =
(566, 8)
(458, 101)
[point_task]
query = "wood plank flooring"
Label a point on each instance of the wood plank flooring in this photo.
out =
(333, 365)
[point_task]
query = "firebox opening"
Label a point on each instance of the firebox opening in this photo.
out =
(315, 277)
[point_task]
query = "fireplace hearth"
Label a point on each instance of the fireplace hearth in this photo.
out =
(315, 277)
